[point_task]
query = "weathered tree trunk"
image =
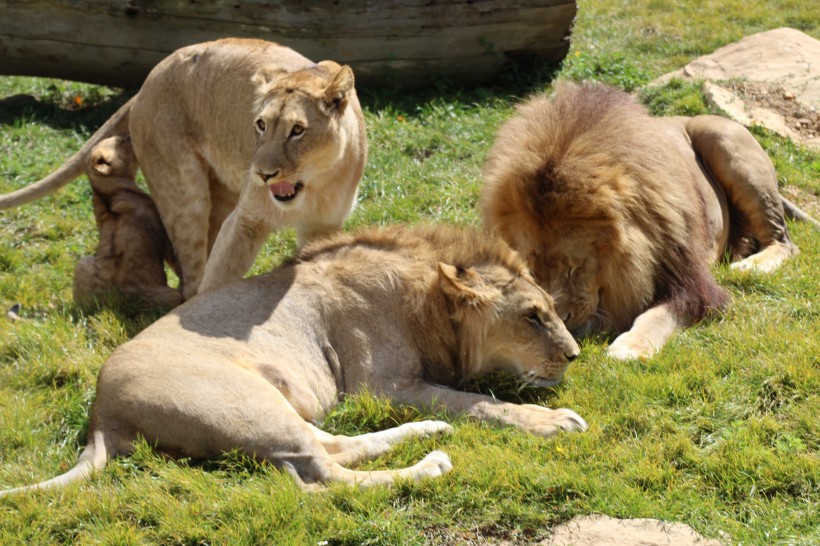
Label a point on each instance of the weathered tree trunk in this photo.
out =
(407, 42)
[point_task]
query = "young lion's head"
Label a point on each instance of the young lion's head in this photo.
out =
(507, 322)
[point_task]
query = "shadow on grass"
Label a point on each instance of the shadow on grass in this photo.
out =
(516, 81)
(20, 109)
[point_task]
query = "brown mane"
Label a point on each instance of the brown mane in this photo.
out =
(590, 162)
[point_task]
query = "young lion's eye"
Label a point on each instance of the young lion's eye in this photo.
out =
(297, 130)
(260, 125)
(534, 317)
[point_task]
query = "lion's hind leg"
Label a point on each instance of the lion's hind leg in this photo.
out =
(737, 163)
(347, 450)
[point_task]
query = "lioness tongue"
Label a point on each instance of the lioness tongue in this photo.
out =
(282, 189)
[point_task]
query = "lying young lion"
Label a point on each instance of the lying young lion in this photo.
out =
(406, 313)
(130, 259)
(236, 137)
(620, 214)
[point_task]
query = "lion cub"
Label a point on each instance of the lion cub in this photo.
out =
(133, 243)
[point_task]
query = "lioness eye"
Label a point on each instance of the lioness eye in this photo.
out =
(535, 318)
(297, 130)
(260, 124)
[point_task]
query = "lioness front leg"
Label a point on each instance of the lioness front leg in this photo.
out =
(239, 241)
(530, 417)
(650, 331)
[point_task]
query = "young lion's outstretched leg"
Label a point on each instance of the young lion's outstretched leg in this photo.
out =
(741, 167)
(530, 417)
(347, 450)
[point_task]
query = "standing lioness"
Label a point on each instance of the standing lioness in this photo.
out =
(245, 132)
(408, 314)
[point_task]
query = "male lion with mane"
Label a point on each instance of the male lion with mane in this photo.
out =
(236, 138)
(406, 313)
(620, 214)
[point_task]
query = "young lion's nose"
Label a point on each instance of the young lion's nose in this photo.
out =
(571, 356)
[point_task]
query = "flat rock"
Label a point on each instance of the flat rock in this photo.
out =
(770, 79)
(598, 530)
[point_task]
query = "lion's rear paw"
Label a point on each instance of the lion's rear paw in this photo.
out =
(436, 463)
(427, 428)
(768, 259)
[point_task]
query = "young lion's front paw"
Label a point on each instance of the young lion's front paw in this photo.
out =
(546, 422)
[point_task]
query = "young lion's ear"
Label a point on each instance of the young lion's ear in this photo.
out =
(337, 92)
(465, 286)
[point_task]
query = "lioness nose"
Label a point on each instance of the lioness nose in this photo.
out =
(571, 356)
(265, 177)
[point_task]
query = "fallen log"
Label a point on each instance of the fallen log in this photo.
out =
(401, 42)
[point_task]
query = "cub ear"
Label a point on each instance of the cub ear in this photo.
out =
(465, 286)
(337, 92)
(101, 159)
(263, 81)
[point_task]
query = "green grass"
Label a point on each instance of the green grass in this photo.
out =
(719, 431)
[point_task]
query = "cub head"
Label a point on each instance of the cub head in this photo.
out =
(113, 157)
(506, 321)
(299, 127)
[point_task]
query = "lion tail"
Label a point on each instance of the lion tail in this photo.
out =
(74, 167)
(793, 212)
(92, 459)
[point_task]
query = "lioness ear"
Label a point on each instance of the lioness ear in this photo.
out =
(336, 93)
(465, 285)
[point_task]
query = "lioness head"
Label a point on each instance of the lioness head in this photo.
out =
(299, 127)
(507, 322)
